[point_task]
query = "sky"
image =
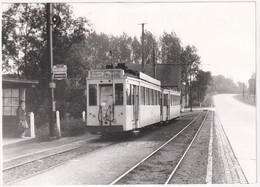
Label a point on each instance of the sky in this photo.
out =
(224, 33)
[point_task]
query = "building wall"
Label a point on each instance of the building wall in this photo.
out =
(11, 98)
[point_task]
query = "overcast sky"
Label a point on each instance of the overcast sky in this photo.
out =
(223, 32)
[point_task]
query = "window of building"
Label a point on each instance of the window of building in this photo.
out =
(119, 98)
(10, 101)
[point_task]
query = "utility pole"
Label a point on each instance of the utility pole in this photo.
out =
(50, 61)
(190, 89)
(154, 63)
(142, 45)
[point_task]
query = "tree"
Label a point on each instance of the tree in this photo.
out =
(25, 44)
(137, 51)
(23, 39)
(189, 60)
(201, 84)
(170, 47)
(221, 84)
(252, 84)
(149, 41)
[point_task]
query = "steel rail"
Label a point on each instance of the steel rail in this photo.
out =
(44, 157)
(46, 169)
(180, 161)
(45, 150)
(151, 154)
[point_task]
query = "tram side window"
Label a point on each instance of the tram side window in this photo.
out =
(133, 90)
(178, 100)
(155, 97)
(165, 99)
(151, 97)
(142, 95)
(147, 98)
(128, 94)
(92, 95)
(119, 99)
(159, 98)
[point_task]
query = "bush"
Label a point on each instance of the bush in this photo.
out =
(43, 131)
(71, 126)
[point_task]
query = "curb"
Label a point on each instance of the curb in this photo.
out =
(19, 143)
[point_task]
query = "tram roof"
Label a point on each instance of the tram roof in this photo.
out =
(119, 73)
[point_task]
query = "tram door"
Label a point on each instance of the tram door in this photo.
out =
(166, 106)
(106, 103)
(135, 106)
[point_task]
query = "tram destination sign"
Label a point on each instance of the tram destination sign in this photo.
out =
(115, 73)
(59, 72)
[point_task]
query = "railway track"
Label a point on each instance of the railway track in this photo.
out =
(25, 166)
(160, 166)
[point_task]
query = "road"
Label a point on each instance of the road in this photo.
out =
(239, 122)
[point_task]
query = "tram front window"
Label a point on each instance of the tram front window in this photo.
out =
(92, 95)
(106, 95)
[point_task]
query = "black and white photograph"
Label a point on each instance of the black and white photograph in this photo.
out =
(129, 93)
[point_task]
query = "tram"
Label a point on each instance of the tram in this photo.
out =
(118, 101)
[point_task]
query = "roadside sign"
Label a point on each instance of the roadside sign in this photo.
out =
(59, 76)
(59, 68)
(52, 85)
(59, 72)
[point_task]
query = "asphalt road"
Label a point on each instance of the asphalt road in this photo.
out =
(239, 122)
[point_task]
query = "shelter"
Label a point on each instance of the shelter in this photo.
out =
(13, 90)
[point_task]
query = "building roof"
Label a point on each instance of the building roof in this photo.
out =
(15, 82)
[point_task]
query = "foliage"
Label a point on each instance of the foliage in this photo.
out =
(149, 41)
(252, 84)
(170, 48)
(75, 44)
(25, 44)
(137, 51)
(222, 84)
(71, 126)
(202, 83)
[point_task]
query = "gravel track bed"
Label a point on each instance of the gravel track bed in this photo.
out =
(158, 134)
(158, 167)
(193, 169)
(36, 166)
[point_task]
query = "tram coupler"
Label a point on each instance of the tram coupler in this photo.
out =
(136, 132)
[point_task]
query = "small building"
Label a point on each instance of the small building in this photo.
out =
(168, 74)
(13, 90)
